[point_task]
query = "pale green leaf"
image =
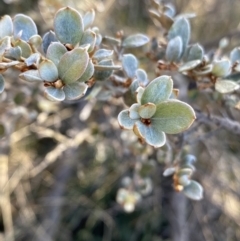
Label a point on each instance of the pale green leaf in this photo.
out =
(135, 40)
(130, 65)
(181, 28)
(55, 51)
(194, 191)
(142, 77)
(54, 94)
(6, 26)
(24, 25)
(174, 49)
(72, 65)
(195, 52)
(173, 116)
(221, 68)
(147, 111)
(75, 90)
(68, 26)
(189, 65)
(150, 134)
(226, 86)
(48, 71)
(235, 55)
(133, 111)
(88, 72)
(158, 90)
(101, 54)
(31, 76)
(125, 121)
(48, 38)
(89, 37)
(25, 47)
(88, 18)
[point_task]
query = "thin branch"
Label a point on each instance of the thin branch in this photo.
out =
(230, 125)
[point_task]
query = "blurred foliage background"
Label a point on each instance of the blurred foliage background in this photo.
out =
(67, 161)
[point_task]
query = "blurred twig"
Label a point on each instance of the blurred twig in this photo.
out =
(230, 125)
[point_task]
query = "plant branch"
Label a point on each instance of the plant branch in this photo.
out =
(230, 125)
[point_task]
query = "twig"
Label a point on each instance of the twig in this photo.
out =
(230, 125)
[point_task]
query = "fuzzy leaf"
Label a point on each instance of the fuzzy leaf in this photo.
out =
(35, 40)
(2, 84)
(104, 72)
(72, 65)
(31, 76)
(150, 134)
(173, 116)
(6, 26)
(25, 47)
(189, 65)
(235, 55)
(133, 111)
(194, 191)
(158, 90)
(13, 53)
(48, 38)
(102, 54)
(130, 65)
(88, 18)
(181, 28)
(174, 49)
(125, 121)
(5, 44)
(142, 77)
(54, 94)
(226, 86)
(221, 68)
(24, 25)
(48, 71)
(89, 37)
(147, 111)
(68, 26)
(88, 72)
(75, 90)
(134, 41)
(33, 59)
(195, 52)
(55, 51)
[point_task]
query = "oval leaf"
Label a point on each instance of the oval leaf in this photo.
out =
(54, 94)
(221, 68)
(88, 72)
(88, 18)
(235, 55)
(125, 121)
(25, 48)
(55, 51)
(133, 111)
(174, 49)
(24, 25)
(150, 134)
(68, 26)
(13, 53)
(142, 77)
(181, 28)
(135, 40)
(103, 73)
(226, 86)
(130, 65)
(48, 38)
(89, 37)
(48, 71)
(6, 26)
(102, 54)
(158, 90)
(75, 90)
(195, 52)
(173, 116)
(189, 65)
(72, 65)
(31, 76)
(147, 111)
(194, 191)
